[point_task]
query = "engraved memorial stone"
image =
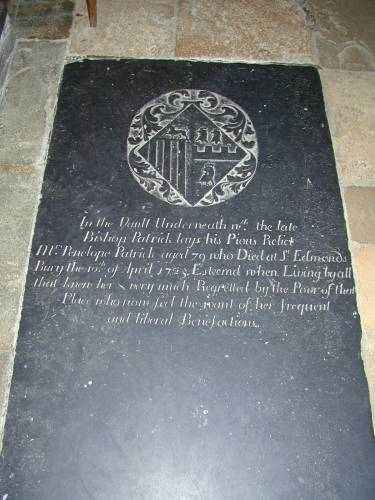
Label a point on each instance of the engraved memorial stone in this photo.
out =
(192, 147)
(189, 327)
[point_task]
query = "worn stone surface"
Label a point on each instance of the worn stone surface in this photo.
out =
(6, 365)
(364, 265)
(360, 211)
(350, 101)
(272, 377)
(19, 189)
(7, 43)
(29, 100)
(3, 15)
(343, 32)
(368, 355)
(343, 37)
(249, 31)
(135, 28)
(42, 19)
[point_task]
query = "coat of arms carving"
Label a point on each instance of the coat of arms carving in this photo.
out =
(192, 148)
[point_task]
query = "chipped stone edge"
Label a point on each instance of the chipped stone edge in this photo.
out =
(366, 356)
(352, 244)
(73, 57)
(40, 165)
(365, 335)
(8, 44)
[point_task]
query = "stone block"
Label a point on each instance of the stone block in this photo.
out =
(343, 32)
(19, 190)
(135, 28)
(6, 366)
(364, 266)
(29, 100)
(360, 212)
(247, 31)
(350, 102)
(42, 19)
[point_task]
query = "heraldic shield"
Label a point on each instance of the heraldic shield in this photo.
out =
(192, 148)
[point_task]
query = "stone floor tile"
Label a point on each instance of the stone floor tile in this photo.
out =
(360, 213)
(364, 270)
(6, 366)
(42, 19)
(343, 31)
(28, 101)
(368, 356)
(350, 102)
(260, 30)
(135, 28)
(19, 194)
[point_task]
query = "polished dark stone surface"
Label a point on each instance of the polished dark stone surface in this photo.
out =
(275, 409)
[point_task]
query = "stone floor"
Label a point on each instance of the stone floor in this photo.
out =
(337, 36)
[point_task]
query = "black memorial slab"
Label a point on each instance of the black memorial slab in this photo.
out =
(189, 327)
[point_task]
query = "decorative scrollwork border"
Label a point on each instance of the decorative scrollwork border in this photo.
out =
(224, 113)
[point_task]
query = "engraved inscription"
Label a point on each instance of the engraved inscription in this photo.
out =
(165, 271)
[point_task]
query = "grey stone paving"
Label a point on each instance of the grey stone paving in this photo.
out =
(28, 101)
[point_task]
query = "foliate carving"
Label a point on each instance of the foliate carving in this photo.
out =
(192, 148)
